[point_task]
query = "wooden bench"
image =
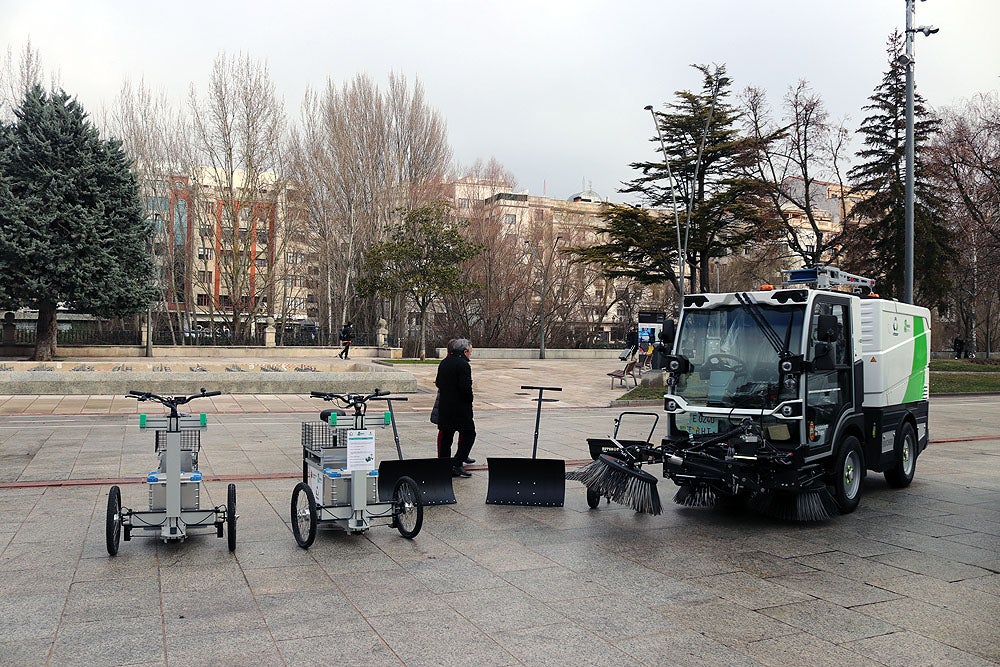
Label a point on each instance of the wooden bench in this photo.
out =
(621, 374)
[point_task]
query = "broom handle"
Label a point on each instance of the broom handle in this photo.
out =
(538, 414)
(392, 420)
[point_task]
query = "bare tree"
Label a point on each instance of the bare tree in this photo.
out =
(153, 132)
(794, 153)
(362, 156)
(239, 131)
(17, 75)
(965, 163)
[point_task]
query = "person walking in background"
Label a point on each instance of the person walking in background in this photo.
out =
(959, 346)
(454, 383)
(632, 342)
(346, 334)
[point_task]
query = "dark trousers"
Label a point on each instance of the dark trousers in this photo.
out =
(466, 438)
(346, 350)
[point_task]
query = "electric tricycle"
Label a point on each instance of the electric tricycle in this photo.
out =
(175, 485)
(339, 484)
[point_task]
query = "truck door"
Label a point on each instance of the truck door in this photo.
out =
(829, 380)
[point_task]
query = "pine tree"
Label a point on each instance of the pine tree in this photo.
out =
(727, 206)
(73, 231)
(876, 243)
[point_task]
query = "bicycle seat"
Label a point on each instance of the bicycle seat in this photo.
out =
(324, 416)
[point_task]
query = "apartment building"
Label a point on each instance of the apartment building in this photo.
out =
(230, 255)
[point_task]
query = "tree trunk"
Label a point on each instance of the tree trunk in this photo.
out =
(423, 334)
(45, 333)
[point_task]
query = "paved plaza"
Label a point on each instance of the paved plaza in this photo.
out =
(911, 578)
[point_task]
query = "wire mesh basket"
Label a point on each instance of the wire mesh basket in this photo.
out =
(318, 435)
(190, 441)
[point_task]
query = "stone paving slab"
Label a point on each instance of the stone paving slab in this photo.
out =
(908, 579)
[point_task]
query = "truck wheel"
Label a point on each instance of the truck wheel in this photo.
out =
(904, 463)
(848, 471)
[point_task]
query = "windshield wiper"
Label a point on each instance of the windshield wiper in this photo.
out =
(772, 337)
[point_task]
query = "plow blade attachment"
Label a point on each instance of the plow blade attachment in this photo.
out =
(521, 481)
(433, 478)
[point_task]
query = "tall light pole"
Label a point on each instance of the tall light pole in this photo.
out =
(681, 259)
(907, 61)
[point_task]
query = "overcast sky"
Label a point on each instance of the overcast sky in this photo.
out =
(553, 90)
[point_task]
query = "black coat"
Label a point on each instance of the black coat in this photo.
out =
(454, 381)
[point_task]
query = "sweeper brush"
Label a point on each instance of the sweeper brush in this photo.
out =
(625, 485)
(698, 495)
(811, 505)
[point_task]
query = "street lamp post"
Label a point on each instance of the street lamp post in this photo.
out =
(681, 259)
(907, 61)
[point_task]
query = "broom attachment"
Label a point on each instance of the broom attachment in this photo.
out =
(814, 504)
(697, 495)
(628, 486)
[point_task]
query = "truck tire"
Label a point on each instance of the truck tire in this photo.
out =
(904, 463)
(848, 473)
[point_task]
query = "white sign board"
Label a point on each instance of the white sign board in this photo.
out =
(361, 450)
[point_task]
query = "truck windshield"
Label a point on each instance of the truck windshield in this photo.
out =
(732, 362)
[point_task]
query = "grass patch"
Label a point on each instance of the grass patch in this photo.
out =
(991, 365)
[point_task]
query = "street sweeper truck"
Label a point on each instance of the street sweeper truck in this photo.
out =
(785, 397)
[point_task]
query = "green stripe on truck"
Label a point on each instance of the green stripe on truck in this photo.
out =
(915, 385)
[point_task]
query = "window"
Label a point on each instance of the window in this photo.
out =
(294, 303)
(464, 203)
(225, 301)
(509, 219)
(202, 299)
(205, 253)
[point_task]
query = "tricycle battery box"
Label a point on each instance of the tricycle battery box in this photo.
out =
(337, 483)
(190, 490)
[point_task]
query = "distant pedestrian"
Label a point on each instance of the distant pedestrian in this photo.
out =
(346, 334)
(632, 342)
(959, 346)
(454, 383)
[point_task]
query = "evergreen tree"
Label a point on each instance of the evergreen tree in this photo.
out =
(73, 231)
(727, 206)
(422, 260)
(875, 245)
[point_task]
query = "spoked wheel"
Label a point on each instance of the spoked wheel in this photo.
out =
(231, 517)
(407, 508)
(303, 515)
(905, 464)
(593, 498)
(113, 527)
(848, 473)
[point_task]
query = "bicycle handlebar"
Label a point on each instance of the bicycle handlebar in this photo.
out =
(169, 401)
(352, 400)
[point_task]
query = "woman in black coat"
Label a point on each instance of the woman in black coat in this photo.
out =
(454, 383)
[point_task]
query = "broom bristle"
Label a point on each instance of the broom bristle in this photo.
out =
(698, 495)
(627, 486)
(811, 505)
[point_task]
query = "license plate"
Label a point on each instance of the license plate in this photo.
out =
(697, 424)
